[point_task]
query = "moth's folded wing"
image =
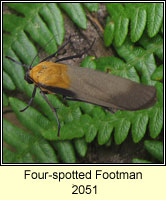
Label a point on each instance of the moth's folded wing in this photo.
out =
(110, 91)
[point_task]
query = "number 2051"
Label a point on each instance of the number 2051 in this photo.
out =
(84, 189)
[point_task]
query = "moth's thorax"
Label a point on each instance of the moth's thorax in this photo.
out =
(50, 74)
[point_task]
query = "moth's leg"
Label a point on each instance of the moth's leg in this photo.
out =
(53, 55)
(112, 110)
(53, 109)
(77, 55)
(31, 100)
(71, 99)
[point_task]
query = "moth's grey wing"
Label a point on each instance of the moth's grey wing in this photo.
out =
(109, 91)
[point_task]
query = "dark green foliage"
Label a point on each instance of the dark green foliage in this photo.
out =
(65, 151)
(5, 100)
(7, 82)
(76, 13)
(27, 148)
(81, 146)
(89, 62)
(81, 123)
(158, 74)
(137, 160)
(139, 15)
(92, 7)
(109, 32)
(155, 148)
(121, 20)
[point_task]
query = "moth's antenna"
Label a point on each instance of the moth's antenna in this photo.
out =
(38, 53)
(24, 65)
(53, 53)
